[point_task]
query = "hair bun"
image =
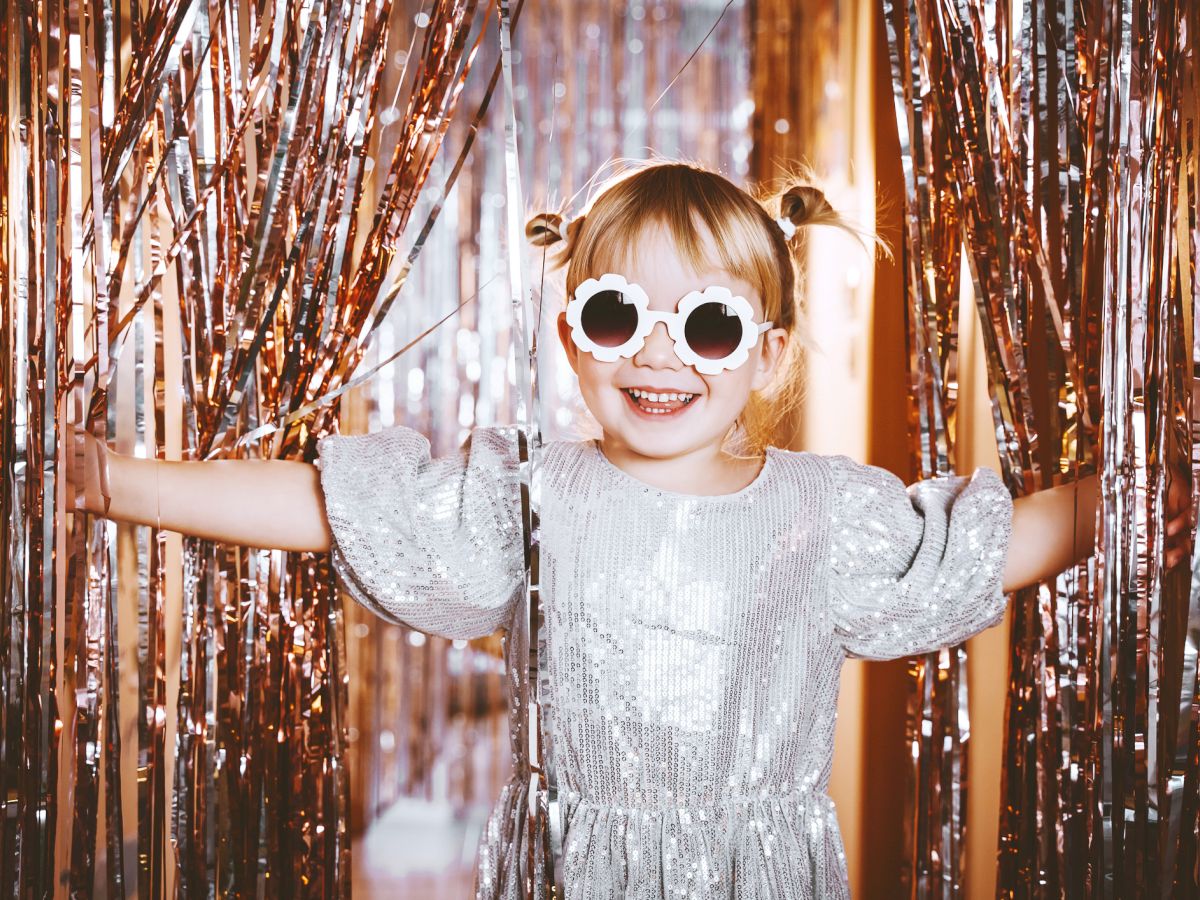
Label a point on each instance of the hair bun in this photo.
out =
(545, 229)
(804, 204)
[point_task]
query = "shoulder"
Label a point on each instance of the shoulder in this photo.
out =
(859, 485)
(513, 445)
(851, 476)
(372, 447)
(852, 488)
(802, 471)
(836, 470)
(501, 437)
(399, 448)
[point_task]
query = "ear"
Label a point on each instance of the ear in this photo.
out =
(773, 345)
(569, 346)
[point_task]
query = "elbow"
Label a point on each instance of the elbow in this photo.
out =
(448, 608)
(1052, 530)
(485, 607)
(1021, 572)
(319, 540)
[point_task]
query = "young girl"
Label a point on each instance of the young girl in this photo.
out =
(701, 587)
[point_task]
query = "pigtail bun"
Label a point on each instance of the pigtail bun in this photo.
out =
(545, 229)
(804, 204)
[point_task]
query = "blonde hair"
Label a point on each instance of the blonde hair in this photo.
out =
(703, 211)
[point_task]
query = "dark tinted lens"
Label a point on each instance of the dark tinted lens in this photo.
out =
(713, 330)
(607, 319)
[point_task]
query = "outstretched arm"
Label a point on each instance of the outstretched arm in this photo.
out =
(276, 504)
(1055, 528)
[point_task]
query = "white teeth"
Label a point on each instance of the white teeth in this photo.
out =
(653, 397)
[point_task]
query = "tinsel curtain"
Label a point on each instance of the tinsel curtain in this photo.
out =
(210, 210)
(1054, 144)
(191, 249)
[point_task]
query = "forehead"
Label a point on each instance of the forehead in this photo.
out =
(657, 262)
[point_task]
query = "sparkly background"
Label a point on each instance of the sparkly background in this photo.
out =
(216, 213)
(1049, 156)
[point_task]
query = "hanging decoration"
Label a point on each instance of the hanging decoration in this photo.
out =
(195, 245)
(1054, 144)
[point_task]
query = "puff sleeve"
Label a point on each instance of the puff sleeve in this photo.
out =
(915, 568)
(435, 544)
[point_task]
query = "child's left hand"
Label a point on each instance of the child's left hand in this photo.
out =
(1179, 518)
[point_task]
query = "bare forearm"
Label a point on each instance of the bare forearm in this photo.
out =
(1053, 529)
(276, 504)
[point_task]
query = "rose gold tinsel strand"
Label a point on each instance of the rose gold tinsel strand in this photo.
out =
(1073, 155)
(206, 157)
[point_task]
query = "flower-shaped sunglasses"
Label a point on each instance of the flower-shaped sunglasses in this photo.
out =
(712, 329)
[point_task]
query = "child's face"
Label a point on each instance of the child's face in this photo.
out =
(702, 422)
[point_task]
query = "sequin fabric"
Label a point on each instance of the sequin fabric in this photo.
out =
(695, 642)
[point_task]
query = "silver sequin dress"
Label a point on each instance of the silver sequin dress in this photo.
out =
(695, 642)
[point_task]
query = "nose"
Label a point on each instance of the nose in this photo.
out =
(659, 350)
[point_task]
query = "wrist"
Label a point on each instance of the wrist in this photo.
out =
(122, 486)
(136, 489)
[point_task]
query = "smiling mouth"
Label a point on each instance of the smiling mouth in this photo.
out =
(662, 404)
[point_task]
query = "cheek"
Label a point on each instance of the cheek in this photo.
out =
(595, 378)
(734, 387)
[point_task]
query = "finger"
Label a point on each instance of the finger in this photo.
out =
(102, 477)
(75, 457)
(83, 483)
(90, 483)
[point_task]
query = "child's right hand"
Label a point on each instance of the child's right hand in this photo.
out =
(86, 471)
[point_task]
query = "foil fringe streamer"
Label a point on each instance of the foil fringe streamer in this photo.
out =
(1063, 135)
(543, 855)
(187, 180)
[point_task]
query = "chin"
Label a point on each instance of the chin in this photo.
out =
(663, 440)
(659, 446)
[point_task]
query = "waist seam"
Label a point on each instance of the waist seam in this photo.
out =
(810, 795)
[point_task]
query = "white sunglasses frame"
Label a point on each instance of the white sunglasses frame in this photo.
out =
(675, 321)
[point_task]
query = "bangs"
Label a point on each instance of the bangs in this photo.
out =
(712, 222)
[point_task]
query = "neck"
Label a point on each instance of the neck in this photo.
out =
(704, 471)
